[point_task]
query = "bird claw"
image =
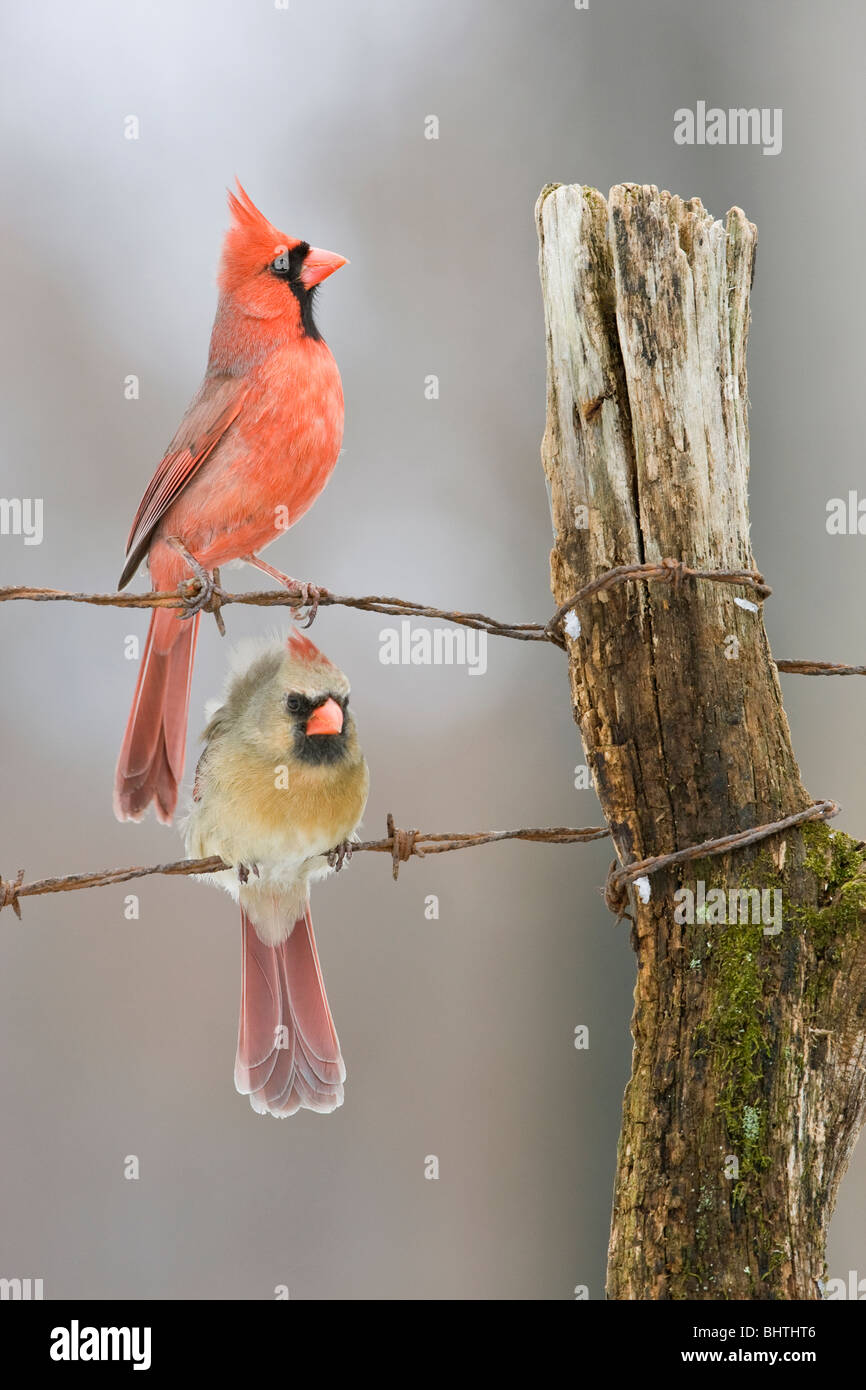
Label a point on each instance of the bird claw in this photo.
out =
(244, 871)
(198, 598)
(310, 596)
(340, 855)
(206, 595)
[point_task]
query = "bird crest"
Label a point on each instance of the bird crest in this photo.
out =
(302, 649)
(251, 242)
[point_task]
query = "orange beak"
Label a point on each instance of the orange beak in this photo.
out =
(327, 719)
(318, 265)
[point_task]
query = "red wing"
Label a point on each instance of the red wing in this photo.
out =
(217, 403)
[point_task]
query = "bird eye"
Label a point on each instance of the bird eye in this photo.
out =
(280, 264)
(293, 703)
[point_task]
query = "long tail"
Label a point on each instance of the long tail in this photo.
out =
(150, 766)
(288, 1052)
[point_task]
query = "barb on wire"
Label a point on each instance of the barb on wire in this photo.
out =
(400, 844)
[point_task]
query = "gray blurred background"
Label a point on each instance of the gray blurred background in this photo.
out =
(117, 1037)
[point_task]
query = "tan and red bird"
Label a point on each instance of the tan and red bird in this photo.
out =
(279, 792)
(255, 448)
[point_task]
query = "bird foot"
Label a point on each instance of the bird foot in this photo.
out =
(340, 855)
(309, 595)
(202, 593)
(244, 871)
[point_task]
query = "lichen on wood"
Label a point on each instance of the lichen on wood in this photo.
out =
(748, 1083)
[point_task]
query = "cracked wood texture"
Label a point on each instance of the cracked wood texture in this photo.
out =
(747, 1085)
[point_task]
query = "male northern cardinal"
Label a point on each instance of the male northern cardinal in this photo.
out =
(279, 792)
(255, 448)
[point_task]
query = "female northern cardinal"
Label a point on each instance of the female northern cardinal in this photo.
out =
(255, 448)
(279, 792)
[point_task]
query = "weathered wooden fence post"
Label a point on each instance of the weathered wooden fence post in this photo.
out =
(749, 1072)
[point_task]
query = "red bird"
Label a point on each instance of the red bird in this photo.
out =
(255, 448)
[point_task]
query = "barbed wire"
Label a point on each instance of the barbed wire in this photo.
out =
(283, 598)
(668, 571)
(619, 877)
(820, 668)
(400, 844)
(403, 844)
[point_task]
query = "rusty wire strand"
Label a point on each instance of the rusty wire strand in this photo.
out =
(283, 598)
(619, 877)
(820, 668)
(403, 844)
(400, 844)
(668, 571)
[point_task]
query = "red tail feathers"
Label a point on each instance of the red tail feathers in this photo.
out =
(150, 766)
(288, 1052)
